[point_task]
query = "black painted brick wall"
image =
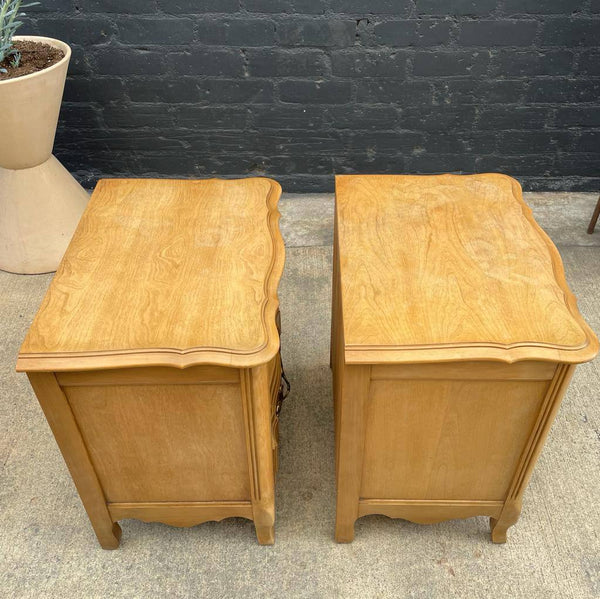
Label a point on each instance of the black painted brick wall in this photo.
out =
(300, 89)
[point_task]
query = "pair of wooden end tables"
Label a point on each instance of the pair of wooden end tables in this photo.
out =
(155, 353)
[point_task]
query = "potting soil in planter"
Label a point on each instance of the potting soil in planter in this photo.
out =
(35, 57)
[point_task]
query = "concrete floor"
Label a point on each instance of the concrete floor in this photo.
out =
(48, 549)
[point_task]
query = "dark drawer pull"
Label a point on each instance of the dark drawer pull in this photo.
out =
(284, 385)
(284, 391)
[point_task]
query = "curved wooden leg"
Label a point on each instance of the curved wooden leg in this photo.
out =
(62, 422)
(265, 534)
(109, 539)
(350, 430)
(498, 530)
(509, 516)
(257, 415)
(264, 522)
(344, 531)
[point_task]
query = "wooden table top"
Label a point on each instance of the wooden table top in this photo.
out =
(451, 267)
(165, 273)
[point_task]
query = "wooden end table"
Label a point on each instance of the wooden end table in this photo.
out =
(155, 353)
(454, 337)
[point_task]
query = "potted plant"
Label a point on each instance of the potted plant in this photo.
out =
(40, 202)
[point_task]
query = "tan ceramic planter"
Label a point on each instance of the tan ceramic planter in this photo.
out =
(40, 202)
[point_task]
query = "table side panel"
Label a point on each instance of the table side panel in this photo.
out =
(447, 439)
(164, 443)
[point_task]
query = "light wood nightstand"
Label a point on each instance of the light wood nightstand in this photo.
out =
(454, 337)
(155, 353)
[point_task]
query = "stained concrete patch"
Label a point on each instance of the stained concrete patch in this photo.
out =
(307, 219)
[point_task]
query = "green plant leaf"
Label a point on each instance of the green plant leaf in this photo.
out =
(9, 12)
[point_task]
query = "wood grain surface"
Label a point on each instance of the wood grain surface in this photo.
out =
(157, 443)
(449, 440)
(165, 273)
(446, 267)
